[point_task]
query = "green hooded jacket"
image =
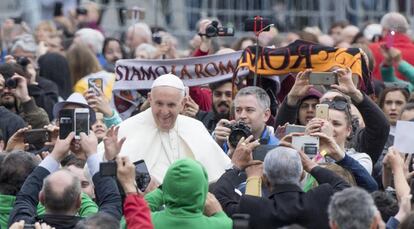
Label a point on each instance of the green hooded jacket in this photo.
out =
(184, 192)
(88, 208)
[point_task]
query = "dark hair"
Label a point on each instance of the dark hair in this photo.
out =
(109, 39)
(61, 202)
(386, 204)
(341, 24)
(8, 70)
(78, 163)
(387, 90)
(15, 168)
(99, 220)
(215, 85)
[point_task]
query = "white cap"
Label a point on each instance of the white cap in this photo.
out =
(168, 80)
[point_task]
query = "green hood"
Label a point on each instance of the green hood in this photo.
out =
(185, 187)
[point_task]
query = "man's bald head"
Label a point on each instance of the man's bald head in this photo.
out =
(61, 193)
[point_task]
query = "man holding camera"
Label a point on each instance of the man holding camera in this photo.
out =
(252, 109)
(15, 97)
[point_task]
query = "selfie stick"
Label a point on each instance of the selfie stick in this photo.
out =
(257, 51)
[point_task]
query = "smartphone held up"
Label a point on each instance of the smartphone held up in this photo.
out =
(73, 120)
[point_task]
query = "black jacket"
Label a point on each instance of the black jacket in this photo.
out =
(45, 94)
(208, 119)
(107, 197)
(9, 123)
(287, 204)
(370, 140)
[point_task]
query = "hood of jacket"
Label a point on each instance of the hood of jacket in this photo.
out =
(185, 188)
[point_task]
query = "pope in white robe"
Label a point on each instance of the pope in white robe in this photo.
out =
(160, 135)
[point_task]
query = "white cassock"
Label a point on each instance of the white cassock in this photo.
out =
(188, 138)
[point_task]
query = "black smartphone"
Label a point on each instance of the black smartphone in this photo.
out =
(36, 138)
(108, 168)
(81, 121)
(29, 226)
(66, 122)
(241, 221)
(142, 176)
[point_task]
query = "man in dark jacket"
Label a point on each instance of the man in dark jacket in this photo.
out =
(287, 203)
(17, 99)
(61, 190)
(10, 123)
(222, 98)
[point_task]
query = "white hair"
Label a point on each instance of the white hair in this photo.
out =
(92, 38)
(142, 29)
(283, 165)
(395, 21)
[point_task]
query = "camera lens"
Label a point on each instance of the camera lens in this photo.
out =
(11, 83)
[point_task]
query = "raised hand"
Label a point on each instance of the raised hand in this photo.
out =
(112, 144)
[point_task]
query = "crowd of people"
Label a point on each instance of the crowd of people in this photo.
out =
(214, 156)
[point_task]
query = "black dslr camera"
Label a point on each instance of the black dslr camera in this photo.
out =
(238, 130)
(213, 30)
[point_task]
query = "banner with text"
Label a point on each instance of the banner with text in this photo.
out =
(139, 74)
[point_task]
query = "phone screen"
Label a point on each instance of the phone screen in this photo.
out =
(65, 123)
(142, 176)
(82, 123)
(96, 84)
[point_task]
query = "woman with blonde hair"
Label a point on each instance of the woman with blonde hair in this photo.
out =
(83, 66)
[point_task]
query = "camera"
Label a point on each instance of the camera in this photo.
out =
(256, 24)
(213, 30)
(11, 83)
(142, 176)
(238, 130)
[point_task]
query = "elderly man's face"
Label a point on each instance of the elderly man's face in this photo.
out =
(166, 103)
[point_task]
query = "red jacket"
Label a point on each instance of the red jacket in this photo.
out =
(137, 213)
(401, 42)
(202, 96)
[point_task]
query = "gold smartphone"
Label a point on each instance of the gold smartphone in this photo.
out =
(322, 111)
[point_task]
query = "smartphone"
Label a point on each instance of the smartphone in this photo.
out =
(323, 78)
(81, 121)
(241, 221)
(65, 122)
(294, 129)
(322, 111)
(299, 142)
(389, 41)
(108, 168)
(36, 138)
(29, 226)
(96, 84)
(142, 176)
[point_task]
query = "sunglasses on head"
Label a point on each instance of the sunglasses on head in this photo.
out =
(338, 103)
